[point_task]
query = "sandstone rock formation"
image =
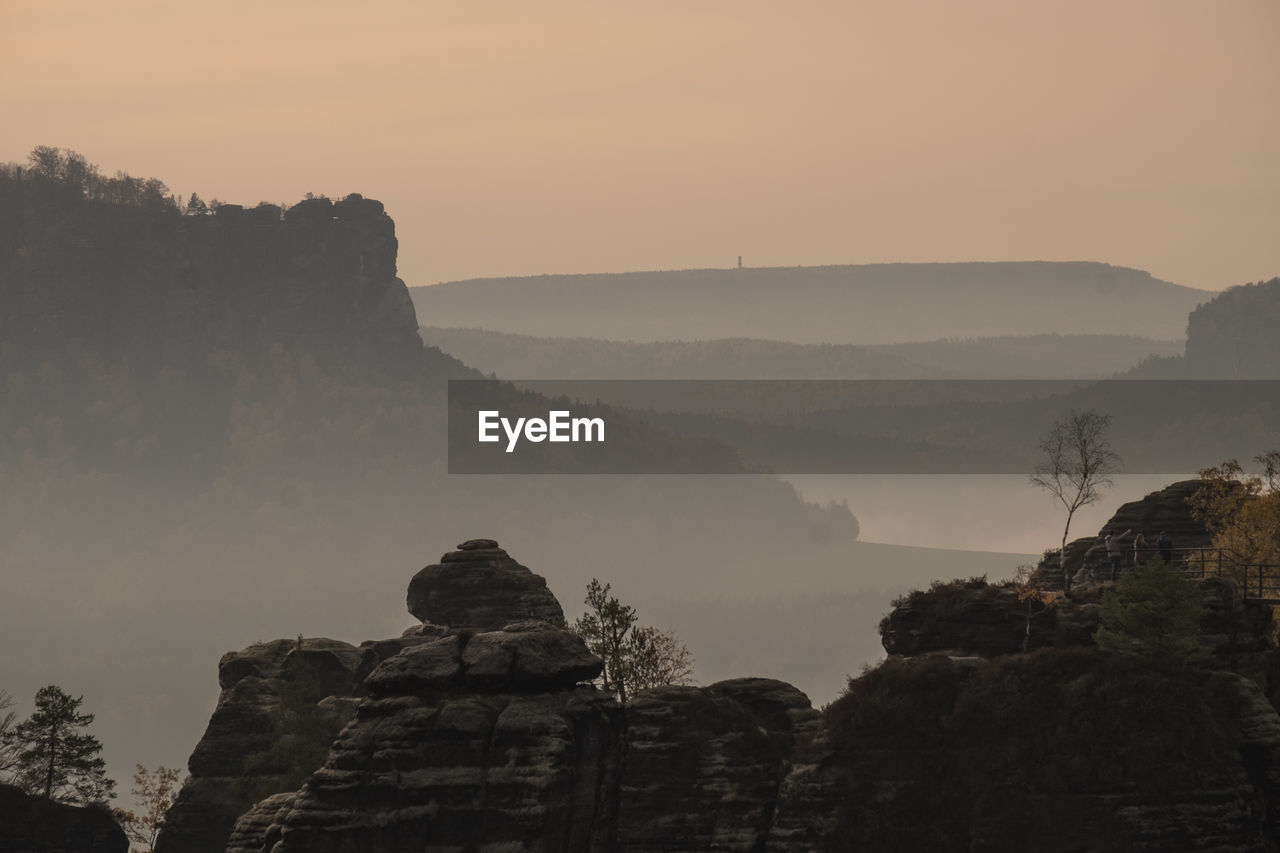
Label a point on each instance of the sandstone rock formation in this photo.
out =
(480, 587)
(158, 290)
(471, 739)
(703, 765)
(1166, 509)
(281, 705)
(253, 830)
(1054, 751)
(30, 824)
(470, 742)
(471, 736)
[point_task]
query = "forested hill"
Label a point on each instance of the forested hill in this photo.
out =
(513, 356)
(1233, 336)
(869, 304)
(116, 268)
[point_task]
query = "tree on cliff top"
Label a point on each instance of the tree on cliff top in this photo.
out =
(635, 657)
(1076, 464)
(54, 758)
(1153, 610)
(1241, 512)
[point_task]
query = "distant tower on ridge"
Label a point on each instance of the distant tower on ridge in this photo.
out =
(739, 261)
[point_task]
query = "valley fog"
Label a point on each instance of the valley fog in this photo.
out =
(970, 512)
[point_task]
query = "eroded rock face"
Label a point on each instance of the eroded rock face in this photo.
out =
(163, 291)
(443, 771)
(1164, 510)
(703, 765)
(534, 657)
(442, 766)
(470, 741)
(252, 831)
(35, 825)
(282, 703)
(480, 587)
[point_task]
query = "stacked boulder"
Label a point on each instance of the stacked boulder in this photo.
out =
(479, 587)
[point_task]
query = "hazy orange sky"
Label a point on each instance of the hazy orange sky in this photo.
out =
(512, 138)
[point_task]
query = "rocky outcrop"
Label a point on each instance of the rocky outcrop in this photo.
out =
(281, 705)
(253, 832)
(480, 587)
(480, 741)
(473, 739)
(703, 765)
(977, 618)
(530, 656)
(1164, 510)
(466, 739)
(1054, 751)
(30, 824)
(148, 287)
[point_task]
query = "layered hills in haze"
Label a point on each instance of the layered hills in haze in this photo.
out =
(217, 422)
(868, 304)
(1045, 356)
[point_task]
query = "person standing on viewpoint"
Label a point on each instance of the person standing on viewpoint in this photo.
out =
(1114, 552)
(1165, 544)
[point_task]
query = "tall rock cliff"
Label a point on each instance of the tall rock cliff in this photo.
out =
(150, 288)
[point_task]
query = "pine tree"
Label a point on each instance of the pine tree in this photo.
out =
(1153, 610)
(57, 760)
(636, 657)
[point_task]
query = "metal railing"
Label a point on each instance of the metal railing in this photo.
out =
(1261, 581)
(1198, 562)
(1258, 581)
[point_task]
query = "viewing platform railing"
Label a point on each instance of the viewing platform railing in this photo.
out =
(1258, 581)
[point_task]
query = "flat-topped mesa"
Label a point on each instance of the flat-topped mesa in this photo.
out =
(479, 587)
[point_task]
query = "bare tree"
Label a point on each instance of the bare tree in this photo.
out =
(1076, 465)
(155, 792)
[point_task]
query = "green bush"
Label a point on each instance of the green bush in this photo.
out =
(1153, 610)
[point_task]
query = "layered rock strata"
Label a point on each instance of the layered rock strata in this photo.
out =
(466, 739)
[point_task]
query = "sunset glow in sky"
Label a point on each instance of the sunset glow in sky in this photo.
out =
(513, 138)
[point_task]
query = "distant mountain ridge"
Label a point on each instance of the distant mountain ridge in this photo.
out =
(865, 304)
(1047, 356)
